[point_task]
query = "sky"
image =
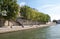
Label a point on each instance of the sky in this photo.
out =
(50, 7)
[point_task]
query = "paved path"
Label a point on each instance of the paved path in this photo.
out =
(16, 28)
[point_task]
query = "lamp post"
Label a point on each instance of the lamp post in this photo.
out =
(3, 13)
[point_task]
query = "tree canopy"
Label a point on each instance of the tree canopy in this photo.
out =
(33, 14)
(11, 7)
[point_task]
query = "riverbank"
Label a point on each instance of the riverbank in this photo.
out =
(16, 28)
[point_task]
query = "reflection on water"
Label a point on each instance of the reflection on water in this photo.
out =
(52, 32)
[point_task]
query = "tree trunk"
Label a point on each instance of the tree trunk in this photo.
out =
(2, 22)
(8, 22)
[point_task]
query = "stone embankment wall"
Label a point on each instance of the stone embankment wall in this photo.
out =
(22, 21)
(19, 21)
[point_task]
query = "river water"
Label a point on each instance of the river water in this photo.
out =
(52, 32)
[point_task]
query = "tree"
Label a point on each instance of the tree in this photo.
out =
(25, 11)
(55, 21)
(33, 14)
(11, 7)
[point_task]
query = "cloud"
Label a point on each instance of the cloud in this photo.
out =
(46, 6)
(22, 3)
(52, 10)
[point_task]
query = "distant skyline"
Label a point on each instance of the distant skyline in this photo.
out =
(51, 7)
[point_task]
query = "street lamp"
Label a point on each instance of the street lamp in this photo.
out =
(4, 13)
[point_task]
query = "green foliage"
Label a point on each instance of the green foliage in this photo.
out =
(32, 14)
(11, 7)
(55, 21)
